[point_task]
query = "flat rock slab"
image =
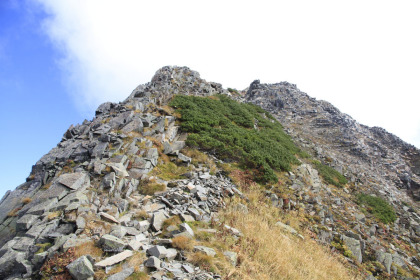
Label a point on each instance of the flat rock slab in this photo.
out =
(115, 259)
(108, 218)
(43, 207)
(122, 275)
(74, 181)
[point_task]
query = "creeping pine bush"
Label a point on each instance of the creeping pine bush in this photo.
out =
(330, 175)
(237, 132)
(378, 207)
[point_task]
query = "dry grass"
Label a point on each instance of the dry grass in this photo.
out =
(202, 260)
(88, 248)
(170, 171)
(14, 212)
(172, 221)
(265, 252)
(53, 215)
(151, 187)
(26, 200)
(136, 260)
(141, 215)
(47, 185)
(198, 157)
(138, 276)
(182, 243)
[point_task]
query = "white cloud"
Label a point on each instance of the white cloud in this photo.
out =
(362, 56)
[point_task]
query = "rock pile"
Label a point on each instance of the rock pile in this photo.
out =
(103, 188)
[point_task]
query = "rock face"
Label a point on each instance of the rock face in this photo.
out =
(362, 153)
(94, 190)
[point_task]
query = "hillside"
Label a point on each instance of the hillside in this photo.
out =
(187, 180)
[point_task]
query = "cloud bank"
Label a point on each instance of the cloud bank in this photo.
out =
(362, 56)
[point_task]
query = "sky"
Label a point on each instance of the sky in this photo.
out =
(60, 59)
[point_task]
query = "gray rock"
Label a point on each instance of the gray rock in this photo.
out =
(122, 275)
(80, 222)
(115, 259)
(171, 254)
(23, 243)
(206, 250)
(136, 125)
(81, 268)
(14, 263)
(157, 251)
(108, 218)
(26, 222)
(134, 245)
(354, 246)
(118, 231)
(187, 229)
(74, 181)
(43, 207)
(119, 169)
(109, 181)
(143, 226)
(184, 158)
(232, 257)
(152, 262)
(157, 220)
(110, 243)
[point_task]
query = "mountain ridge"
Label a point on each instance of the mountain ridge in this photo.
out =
(103, 170)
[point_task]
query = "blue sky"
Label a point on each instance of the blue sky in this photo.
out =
(35, 107)
(60, 59)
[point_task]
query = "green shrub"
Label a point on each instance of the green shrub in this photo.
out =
(237, 132)
(330, 175)
(378, 207)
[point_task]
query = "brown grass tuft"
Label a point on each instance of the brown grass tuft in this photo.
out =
(202, 260)
(182, 243)
(141, 215)
(53, 215)
(88, 248)
(151, 187)
(14, 212)
(26, 200)
(136, 260)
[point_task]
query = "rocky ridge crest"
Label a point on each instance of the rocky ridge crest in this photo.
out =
(90, 189)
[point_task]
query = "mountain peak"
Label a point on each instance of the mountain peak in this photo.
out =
(173, 80)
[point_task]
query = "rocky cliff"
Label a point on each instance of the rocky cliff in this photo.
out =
(123, 196)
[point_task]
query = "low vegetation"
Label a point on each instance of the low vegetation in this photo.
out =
(330, 175)
(151, 187)
(378, 207)
(237, 132)
(264, 250)
(169, 171)
(55, 268)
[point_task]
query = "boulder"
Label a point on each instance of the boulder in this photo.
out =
(110, 243)
(157, 251)
(354, 246)
(74, 181)
(13, 263)
(81, 268)
(152, 262)
(157, 220)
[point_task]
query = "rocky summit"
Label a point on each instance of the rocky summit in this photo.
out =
(187, 180)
